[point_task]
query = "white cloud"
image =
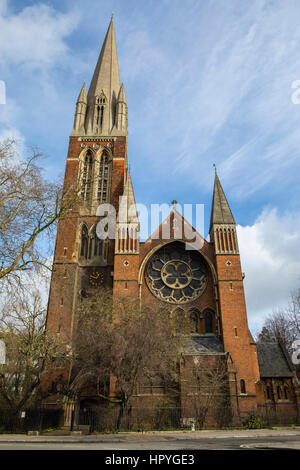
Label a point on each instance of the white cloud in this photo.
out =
(14, 134)
(229, 92)
(270, 258)
(34, 36)
(144, 55)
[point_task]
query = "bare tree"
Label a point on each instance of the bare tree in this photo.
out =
(293, 311)
(206, 389)
(29, 208)
(284, 326)
(277, 327)
(30, 350)
(122, 343)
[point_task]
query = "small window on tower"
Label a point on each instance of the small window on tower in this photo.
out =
(101, 116)
(243, 386)
(98, 115)
(98, 247)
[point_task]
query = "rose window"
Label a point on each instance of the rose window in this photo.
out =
(176, 275)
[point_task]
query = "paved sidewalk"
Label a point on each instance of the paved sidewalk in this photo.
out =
(151, 436)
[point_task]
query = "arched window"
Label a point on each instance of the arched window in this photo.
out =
(194, 322)
(99, 112)
(98, 246)
(84, 242)
(269, 393)
(279, 392)
(103, 178)
(243, 386)
(208, 322)
(179, 320)
(98, 115)
(285, 390)
(87, 175)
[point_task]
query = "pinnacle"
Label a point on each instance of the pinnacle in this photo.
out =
(82, 95)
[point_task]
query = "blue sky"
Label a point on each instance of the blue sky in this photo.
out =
(206, 82)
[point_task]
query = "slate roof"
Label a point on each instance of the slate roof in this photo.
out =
(203, 345)
(272, 361)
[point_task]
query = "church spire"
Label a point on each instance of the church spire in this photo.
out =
(104, 88)
(222, 224)
(220, 211)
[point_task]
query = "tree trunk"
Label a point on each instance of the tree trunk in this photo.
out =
(123, 416)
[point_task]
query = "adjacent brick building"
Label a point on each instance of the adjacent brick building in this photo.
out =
(205, 285)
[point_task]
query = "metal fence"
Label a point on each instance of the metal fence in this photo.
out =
(30, 419)
(106, 419)
(279, 414)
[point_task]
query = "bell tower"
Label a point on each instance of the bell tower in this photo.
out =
(96, 168)
(236, 336)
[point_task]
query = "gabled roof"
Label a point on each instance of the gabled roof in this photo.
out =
(220, 211)
(176, 227)
(203, 345)
(272, 361)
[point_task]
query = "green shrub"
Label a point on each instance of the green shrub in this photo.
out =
(253, 421)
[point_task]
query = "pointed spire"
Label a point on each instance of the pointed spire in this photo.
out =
(122, 96)
(132, 215)
(121, 121)
(79, 118)
(82, 95)
(105, 85)
(127, 228)
(106, 75)
(220, 212)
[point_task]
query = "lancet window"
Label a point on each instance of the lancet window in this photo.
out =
(87, 176)
(103, 178)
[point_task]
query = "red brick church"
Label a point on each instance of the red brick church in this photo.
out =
(205, 285)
